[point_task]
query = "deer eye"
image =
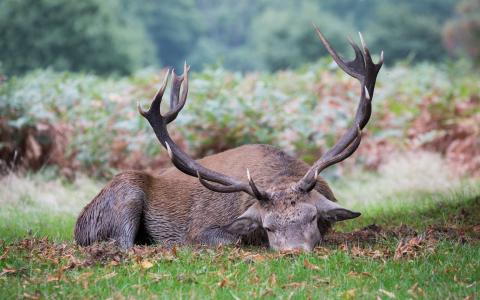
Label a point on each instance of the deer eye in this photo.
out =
(267, 229)
(313, 219)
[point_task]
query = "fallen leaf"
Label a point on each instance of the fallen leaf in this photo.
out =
(318, 279)
(310, 266)
(272, 280)
(415, 291)
(51, 278)
(5, 253)
(146, 264)
(254, 257)
(8, 271)
(158, 277)
(84, 276)
(476, 228)
(350, 294)
(28, 296)
(223, 283)
(254, 280)
(110, 275)
(268, 292)
(294, 285)
(353, 274)
(387, 293)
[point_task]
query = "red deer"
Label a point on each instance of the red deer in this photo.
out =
(288, 206)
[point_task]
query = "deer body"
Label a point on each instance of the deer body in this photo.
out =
(208, 201)
(138, 206)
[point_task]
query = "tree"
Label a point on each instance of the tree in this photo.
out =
(173, 26)
(411, 28)
(87, 35)
(283, 39)
(461, 35)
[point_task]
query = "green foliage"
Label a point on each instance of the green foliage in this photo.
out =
(173, 26)
(88, 35)
(302, 112)
(284, 40)
(407, 31)
(462, 34)
(121, 36)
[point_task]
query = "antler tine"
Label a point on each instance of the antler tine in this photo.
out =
(175, 91)
(345, 66)
(258, 194)
(177, 102)
(157, 100)
(180, 159)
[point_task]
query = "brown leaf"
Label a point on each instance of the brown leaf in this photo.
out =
(268, 292)
(355, 274)
(146, 264)
(293, 285)
(51, 278)
(254, 257)
(409, 248)
(310, 266)
(110, 275)
(387, 293)
(223, 283)
(272, 280)
(84, 276)
(8, 271)
(5, 253)
(320, 280)
(254, 280)
(475, 228)
(350, 294)
(415, 291)
(29, 296)
(158, 277)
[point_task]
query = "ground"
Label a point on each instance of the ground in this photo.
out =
(415, 239)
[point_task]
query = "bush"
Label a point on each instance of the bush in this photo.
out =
(302, 112)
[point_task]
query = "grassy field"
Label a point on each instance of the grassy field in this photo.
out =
(418, 237)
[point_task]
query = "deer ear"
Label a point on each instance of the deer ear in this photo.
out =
(246, 223)
(332, 211)
(340, 214)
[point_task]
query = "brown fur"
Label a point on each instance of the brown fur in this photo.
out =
(175, 208)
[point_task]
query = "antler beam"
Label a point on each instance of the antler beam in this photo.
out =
(180, 159)
(365, 71)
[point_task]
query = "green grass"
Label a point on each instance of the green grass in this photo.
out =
(441, 268)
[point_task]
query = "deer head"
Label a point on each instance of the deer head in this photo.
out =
(289, 213)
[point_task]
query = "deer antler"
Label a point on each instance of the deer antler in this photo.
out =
(180, 159)
(363, 69)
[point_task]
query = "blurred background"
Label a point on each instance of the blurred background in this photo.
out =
(71, 73)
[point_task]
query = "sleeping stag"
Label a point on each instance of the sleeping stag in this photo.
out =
(253, 194)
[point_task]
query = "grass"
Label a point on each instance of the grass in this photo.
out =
(443, 265)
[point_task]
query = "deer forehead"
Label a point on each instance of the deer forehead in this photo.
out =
(284, 215)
